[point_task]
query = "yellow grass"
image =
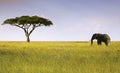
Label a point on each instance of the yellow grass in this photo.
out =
(59, 57)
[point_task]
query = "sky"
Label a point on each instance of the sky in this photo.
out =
(73, 20)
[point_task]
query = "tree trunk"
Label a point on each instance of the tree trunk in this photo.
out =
(28, 38)
(27, 33)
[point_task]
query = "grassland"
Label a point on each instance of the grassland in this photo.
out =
(59, 57)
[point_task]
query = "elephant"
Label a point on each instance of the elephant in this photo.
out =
(101, 38)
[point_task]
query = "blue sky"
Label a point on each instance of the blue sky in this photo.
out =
(73, 20)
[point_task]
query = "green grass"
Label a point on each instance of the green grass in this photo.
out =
(59, 57)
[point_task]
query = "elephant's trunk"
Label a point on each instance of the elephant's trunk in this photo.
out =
(91, 41)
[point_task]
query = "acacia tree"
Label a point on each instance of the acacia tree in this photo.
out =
(28, 24)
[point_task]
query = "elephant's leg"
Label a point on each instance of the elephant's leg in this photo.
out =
(98, 42)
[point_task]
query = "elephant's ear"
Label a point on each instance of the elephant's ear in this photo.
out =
(107, 37)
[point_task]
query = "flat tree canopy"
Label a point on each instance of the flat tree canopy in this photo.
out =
(28, 23)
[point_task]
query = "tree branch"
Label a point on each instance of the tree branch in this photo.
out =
(19, 26)
(37, 25)
(32, 29)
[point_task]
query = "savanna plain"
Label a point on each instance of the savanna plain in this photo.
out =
(59, 57)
